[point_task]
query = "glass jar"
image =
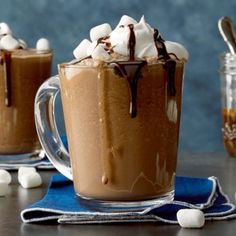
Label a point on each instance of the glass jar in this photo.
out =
(228, 100)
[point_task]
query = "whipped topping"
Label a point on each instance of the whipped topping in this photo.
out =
(9, 42)
(115, 44)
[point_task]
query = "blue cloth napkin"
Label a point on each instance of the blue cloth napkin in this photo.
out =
(61, 204)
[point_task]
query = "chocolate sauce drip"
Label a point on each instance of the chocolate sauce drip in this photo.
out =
(7, 77)
(169, 65)
(131, 43)
(131, 71)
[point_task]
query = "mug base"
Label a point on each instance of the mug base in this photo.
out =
(125, 206)
(22, 159)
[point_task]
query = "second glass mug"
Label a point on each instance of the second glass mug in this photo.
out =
(114, 160)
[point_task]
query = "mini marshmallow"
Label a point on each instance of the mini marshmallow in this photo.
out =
(30, 180)
(91, 47)
(25, 170)
(9, 43)
(190, 218)
(22, 43)
(4, 189)
(100, 31)
(4, 29)
(43, 44)
(81, 50)
(5, 176)
(99, 53)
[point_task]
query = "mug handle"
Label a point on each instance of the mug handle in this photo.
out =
(44, 109)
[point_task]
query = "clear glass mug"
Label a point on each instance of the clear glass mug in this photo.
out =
(114, 159)
(228, 100)
(22, 71)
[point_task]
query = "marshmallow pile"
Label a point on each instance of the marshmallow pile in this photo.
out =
(104, 41)
(9, 42)
(28, 177)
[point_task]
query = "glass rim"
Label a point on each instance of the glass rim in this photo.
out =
(44, 51)
(75, 64)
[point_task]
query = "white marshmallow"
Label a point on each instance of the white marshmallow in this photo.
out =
(25, 170)
(99, 53)
(190, 218)
(91, 47)
(4, 29)
(81, 50)
(9, 43)
(4, 189)
(100, 31)
(30, 180)
(172, 111)
(43, 44)
(22, 43)
(5, 176)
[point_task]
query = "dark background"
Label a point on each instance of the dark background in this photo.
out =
(193, 23)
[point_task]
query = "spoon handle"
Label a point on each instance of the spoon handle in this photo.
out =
(228, 33)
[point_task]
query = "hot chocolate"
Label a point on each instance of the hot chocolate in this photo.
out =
(22, 71)
(122, 104)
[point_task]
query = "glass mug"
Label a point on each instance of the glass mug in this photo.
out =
(114, 159)
(228, 100)
(22, 71)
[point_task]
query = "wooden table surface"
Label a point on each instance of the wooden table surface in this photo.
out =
(201, 165)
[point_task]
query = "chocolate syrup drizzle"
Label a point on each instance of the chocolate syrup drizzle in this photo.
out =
(169, 65)
(131, 69)
(7, 76)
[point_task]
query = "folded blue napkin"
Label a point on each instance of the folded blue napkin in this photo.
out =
(61, 204)
(13, 162)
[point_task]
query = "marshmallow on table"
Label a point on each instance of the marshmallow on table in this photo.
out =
(8, 42)
(5, 176)
(30, 180)
(25, 170)
(42, 44)
(190, 218)
(100, 31)
(80, 51)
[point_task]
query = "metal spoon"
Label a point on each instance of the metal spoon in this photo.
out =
(227, 30)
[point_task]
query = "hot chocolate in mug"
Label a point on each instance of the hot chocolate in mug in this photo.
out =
(122, 123)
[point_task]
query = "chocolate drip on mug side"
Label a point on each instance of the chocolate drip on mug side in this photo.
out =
(131, 71)
(7, 77)
(169, 65)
